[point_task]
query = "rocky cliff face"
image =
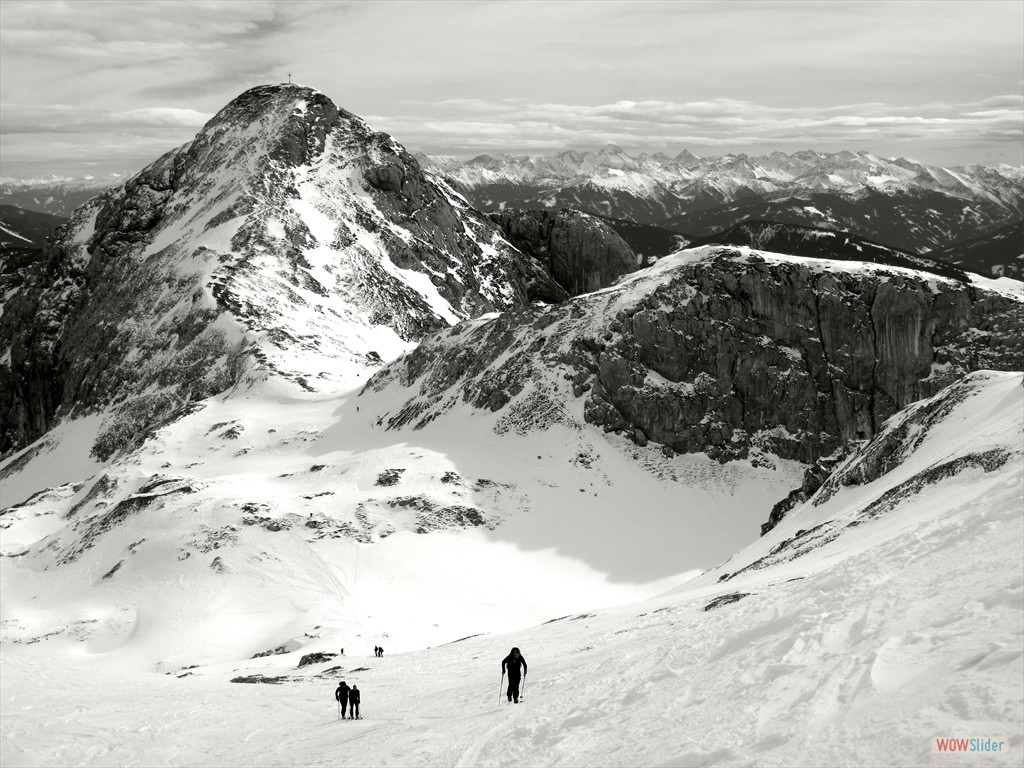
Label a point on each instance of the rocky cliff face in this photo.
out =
(732, 352)
(288, 238)
(580, 252)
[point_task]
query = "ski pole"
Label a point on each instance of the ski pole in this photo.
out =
(522, 694)
(500, 686)
(339, 709)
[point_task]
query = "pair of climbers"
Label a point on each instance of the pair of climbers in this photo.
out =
(378, 651)
(348, 698)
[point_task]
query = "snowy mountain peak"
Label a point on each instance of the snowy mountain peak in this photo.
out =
(287, 239)
(291, 121)
(686, 157)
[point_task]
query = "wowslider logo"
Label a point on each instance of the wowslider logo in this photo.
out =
(972, 746)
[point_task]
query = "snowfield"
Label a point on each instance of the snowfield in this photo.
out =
(861, 628)
(363, 524)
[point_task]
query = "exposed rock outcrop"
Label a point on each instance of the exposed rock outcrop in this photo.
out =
(814, 477)
(725, 351)
(315, 658)
(580, 251)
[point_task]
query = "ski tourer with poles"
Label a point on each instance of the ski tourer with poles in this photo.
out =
(515, 664)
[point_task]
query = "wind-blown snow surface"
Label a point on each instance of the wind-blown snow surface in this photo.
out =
(873, 619)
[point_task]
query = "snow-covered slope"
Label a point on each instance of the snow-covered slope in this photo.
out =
(879, 616)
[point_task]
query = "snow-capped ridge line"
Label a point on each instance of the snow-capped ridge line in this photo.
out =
(665, 353)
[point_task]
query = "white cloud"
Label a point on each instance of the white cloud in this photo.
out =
(486, 76)
(60, 118)
(473, 125)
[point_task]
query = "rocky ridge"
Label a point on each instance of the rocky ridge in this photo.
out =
(732, 352)
(816, 243)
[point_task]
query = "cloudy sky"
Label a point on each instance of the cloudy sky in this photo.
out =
(93, 87)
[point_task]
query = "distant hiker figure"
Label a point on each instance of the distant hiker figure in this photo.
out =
(353, 703)
(515, 664)
(341, 694)
(376, 651)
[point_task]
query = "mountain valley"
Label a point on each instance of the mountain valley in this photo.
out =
(745, 487)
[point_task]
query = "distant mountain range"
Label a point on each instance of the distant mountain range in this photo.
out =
(56, 195)
(900, 202)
